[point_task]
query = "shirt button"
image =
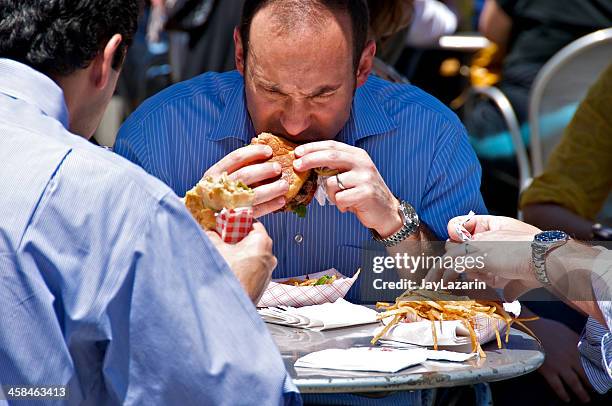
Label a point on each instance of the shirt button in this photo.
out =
(299, 238)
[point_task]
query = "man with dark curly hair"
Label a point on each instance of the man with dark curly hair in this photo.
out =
(110, 293)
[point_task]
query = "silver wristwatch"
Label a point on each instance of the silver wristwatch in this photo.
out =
(542, 244)
(411, 225)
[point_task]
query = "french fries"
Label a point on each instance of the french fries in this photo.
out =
(438, 306)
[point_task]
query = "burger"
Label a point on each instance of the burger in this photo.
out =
(211, 195)
(302, 185)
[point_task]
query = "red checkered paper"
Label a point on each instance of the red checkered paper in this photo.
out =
(235, 224)
(279, 294)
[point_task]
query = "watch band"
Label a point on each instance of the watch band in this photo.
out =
(538, 255)
(411, 224)
(542, 244)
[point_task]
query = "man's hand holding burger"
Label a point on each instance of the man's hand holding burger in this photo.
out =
(362, 191)
(283, 176)
(247, 165)
(251, 260)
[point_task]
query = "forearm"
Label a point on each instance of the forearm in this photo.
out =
(570, 270)
(421, 243)
(495, 24)
(250, 273)
(552, 217)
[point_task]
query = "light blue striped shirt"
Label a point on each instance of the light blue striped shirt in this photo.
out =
(107, 284)
(418, 145)
(595, 345)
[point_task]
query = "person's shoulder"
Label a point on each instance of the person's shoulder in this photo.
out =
(109, 174)
(204, 91)
(401, 100)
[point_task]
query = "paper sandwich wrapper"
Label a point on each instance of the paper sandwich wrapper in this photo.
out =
(449, 332)
(278, 294)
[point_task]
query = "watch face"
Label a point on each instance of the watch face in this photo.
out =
(407, 212)
(550, 236)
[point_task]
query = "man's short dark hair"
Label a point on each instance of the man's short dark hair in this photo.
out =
(357, 11)
(58, 37)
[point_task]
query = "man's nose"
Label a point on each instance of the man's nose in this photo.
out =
(295, 117)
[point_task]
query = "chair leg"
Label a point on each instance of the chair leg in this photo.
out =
(482, 392)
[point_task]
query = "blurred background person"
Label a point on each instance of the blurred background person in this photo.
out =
(400, 24)
(432, 19)
(527, 33)
(571, 193)
(389, 21)
(200, 34)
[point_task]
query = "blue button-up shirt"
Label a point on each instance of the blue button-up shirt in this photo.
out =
(107, 285)
(418, 145)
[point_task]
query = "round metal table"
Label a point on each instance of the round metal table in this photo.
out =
(521, 355)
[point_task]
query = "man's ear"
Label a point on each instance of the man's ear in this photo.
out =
(103, 63)
(239, 54)
(366, 62)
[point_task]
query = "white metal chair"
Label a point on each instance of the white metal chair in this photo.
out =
(558, 88)
(501, 102)
(499, 99)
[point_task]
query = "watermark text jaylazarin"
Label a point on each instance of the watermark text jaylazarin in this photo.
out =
(407, 284)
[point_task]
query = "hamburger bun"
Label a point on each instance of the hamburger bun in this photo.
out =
(283, 153)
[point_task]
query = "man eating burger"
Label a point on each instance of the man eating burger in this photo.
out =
(403, 165)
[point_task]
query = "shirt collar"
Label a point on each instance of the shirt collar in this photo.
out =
(21, 82)
(368, 116)
(234, 121)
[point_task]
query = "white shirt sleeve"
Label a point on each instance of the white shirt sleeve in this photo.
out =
(431, 20)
